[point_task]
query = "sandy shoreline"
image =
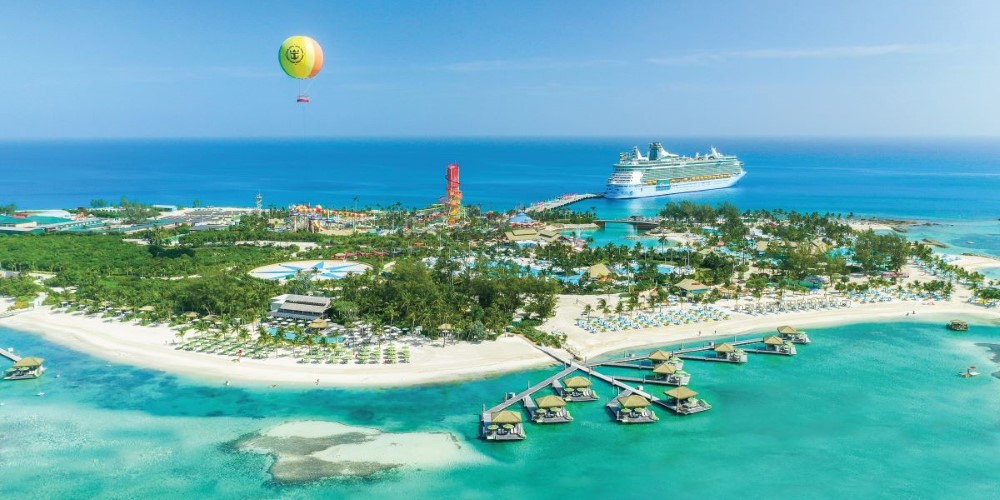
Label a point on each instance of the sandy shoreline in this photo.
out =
(152, 347)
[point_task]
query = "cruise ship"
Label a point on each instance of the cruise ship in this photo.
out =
(662, 173)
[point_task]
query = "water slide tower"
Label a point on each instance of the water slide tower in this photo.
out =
(453, 203)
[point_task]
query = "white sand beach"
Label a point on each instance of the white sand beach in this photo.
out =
(154, 347)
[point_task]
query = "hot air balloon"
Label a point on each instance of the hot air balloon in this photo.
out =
(301, 58)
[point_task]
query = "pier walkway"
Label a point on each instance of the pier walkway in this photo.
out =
(9, 355)
(526, 394)
(573, 365)
(562, 201)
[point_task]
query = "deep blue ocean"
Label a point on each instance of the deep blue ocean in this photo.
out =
(867, 411)
(950, 179)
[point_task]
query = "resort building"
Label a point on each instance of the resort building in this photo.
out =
(304, 307)
(689, 286)
(531, 236)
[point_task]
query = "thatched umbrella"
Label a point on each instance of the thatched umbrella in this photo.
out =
(681, 393)
(445, 327)
(550, 401)
(191, 315)
(577, 382)
(787, 330)
(506, 417)
(772, 340)
(634, 401)
(147, 309)
(659, 356)
(665, 369)
(725, 348)
(318, 324)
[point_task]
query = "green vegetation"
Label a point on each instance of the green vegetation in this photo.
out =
(564, 215)
(8, 209)
(22, 289)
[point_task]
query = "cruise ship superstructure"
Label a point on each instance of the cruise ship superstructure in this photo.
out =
(662, 172)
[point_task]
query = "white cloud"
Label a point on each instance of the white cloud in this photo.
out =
(844, 52)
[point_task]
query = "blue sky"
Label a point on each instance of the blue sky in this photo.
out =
(511, 68)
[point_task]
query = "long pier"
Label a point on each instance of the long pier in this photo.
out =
(562, 201)
(9, 355)
(528, 392)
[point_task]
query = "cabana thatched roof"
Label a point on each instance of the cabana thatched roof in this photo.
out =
(724, 347)
(634, 401)
(599, 270)
(772, 340)
(29, 362)
(550, 401)
(506, 417)
(681, 393)
(577, 382)
(665, 369)
(659, 355)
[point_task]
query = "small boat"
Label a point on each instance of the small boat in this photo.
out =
(969, 372)
(40, 394)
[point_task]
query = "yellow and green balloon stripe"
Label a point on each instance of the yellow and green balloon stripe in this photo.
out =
(301, 57)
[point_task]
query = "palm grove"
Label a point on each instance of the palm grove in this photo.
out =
(458, 276)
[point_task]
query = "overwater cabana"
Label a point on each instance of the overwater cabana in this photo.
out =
(730, 353)
(780, 346)
(505, 425)
(682, 401)
(660, 356)
(670, 374)
(577, 389)
(25, 368)
(632, 409)
(551, 409)
(789, 333)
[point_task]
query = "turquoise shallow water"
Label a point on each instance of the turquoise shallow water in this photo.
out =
(870, 410)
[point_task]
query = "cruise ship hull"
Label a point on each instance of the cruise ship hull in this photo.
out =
(624, 191)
